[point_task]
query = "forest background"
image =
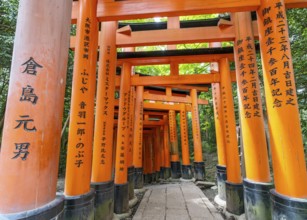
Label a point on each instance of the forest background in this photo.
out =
(297, 21)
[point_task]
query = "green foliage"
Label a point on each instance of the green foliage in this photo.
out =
(8, 17)
(297, 21)
(153, 70)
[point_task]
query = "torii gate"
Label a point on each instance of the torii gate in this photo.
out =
(32, 126)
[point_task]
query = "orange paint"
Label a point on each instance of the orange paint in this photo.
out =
(232, 152)
(131, 126)
(166, 143)
(150, 150)
(80, 140)
(162, 151)
(135, 9)
(198, 155)
(138, 128)
(157, 149)
(218, 114)
(29, 176)
(184, 136)
(250, 104)
(290, 175)
(121, 163)
(173, 136)
(173, 23)
(145, 151)
(131, 117)
(102, 166)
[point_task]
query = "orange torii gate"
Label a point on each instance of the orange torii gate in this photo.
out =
(32, 126)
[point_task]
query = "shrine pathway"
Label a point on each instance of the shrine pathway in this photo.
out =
(177, 201)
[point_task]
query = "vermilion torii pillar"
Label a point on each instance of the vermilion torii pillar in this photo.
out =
(131, 170)
(186, 164)
(175, 162)
(132, 198)
(80, 140)
(148, 158)
(162, 153)
(102, 166)
(290, 175)
(257, 183)
(157, 152)
(199, 165)
(221, 170)
(234, 187)
(33, 119)
(166, 145)
(121, 202)
(138, 139)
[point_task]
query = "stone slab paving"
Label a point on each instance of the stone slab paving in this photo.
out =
(176, 201)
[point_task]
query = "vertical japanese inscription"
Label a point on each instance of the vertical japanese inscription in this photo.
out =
(25, 121)
(183, 118)
(215, 101)
(106, 107)
(124, 127)
(248, 77)
(172, 124)
(281, 78)
(225, 114)
(141, 130)
(82, 107)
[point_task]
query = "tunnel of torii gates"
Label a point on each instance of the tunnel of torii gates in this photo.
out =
(118, 144)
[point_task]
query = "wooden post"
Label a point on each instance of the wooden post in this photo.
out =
(252, 123)
(138, 138)
(166, 145)
(199, 165)
(146, 158)
(151, 155)
(121, 202)
(186, 164)
(80, 139)
(162, 153)
(102, 166)
(33, 119)
(157, 150)
(130, 141)
(175, 162)
(131, 169)
(173, 23)
(221, 171)
(286, 143)
(234, 187)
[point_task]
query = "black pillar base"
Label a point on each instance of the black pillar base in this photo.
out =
(147, 178)
(187, 172)
(121, 198)
(76, 206)
(176, 169)
(221, 176)
(153, 177)
(199, 170)
(257, 199)
(167, 172)
(234, 198)
(52, 210)
(162, 172)
(104, 200)
(158, 175)
(284, 207)
(138, 178)
(131, 182)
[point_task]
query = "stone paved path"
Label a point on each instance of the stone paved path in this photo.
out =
(177, 201)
